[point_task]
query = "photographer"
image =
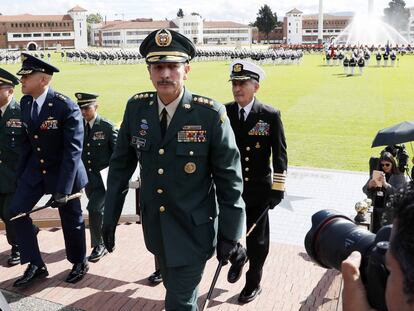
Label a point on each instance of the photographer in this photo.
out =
(383, 182)
(399, 292)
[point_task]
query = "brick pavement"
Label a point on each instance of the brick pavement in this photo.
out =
(290, 282)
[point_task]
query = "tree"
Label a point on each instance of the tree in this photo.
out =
(92, 19)
(397, 15)
(265, 20)
(180, 13)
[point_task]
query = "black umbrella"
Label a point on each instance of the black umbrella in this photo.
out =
(397, 134)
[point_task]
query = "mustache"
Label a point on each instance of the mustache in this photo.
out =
(165, 82)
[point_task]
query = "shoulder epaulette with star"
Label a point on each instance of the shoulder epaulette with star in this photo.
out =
(143, 96)
(61, 96)
(203, 101)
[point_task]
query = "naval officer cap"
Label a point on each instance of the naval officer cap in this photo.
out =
(86, 99)
(6, 78)
(32, 64)
(166, 46)
(245, 70)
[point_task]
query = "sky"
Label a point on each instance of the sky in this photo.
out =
(243, 11)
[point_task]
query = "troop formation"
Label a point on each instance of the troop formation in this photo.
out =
(133, 56)
(207, 170)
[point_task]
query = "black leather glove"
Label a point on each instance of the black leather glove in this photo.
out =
(58, 200)
(225, 248)
(275, 198)
(108, 235)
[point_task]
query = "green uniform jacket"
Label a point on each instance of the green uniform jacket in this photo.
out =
(191, 181)
(10, 146)
(97, 150)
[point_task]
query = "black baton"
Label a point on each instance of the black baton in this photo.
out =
(213, 284)
(20, 215)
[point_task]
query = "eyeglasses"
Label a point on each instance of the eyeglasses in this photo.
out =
(385, 164)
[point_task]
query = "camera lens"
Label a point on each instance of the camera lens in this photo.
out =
(333, 237)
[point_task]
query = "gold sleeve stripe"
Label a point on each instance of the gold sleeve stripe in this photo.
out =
(278, 186)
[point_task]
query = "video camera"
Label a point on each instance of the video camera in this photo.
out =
(400, 154)
(333, 237)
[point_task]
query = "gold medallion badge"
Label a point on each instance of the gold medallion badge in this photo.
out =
(163, 38)
(237, 67)
(190, 167)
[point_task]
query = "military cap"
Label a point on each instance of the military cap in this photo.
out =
(85, 99)
(245, 70)
(167, 46)
(32, 64)
(7, 78)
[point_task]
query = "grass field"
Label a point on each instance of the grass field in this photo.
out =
(330, 120)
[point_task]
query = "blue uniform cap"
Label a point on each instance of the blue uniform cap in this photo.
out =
(32, 64)
(6, 78)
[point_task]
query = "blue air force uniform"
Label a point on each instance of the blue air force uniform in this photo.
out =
(50, 163)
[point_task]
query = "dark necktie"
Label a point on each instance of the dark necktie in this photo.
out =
(163, 122)
(35, 113)
(241, 118)
(87, 129)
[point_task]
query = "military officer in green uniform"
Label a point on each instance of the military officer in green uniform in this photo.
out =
(98, 145)
(190, 172)
(10, 141)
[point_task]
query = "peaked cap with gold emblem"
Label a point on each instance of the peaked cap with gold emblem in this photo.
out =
(7, 78)
(167, 46)
(85, 99)
(32, 64)
(245, 70)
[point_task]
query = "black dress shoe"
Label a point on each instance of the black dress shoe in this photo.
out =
(32, 273)
(78, 272)
(235, 270)
(97, 253)
(156, 277)
(14, 257)
(247, 295)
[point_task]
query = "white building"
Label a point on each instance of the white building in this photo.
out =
(294, 27)
(131, 33)
(80, 27)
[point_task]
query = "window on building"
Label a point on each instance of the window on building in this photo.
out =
(66, 34)
(56, 34)
(80, 25)
(37, 35)
(17, 35)
(47, 34)
(80, 33)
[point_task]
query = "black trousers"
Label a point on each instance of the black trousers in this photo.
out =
(257, 243)
(5, 201)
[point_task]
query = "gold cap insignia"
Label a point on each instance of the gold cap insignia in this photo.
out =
(79, 96)
(190, 167)
(237, 67)
(163, 38)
